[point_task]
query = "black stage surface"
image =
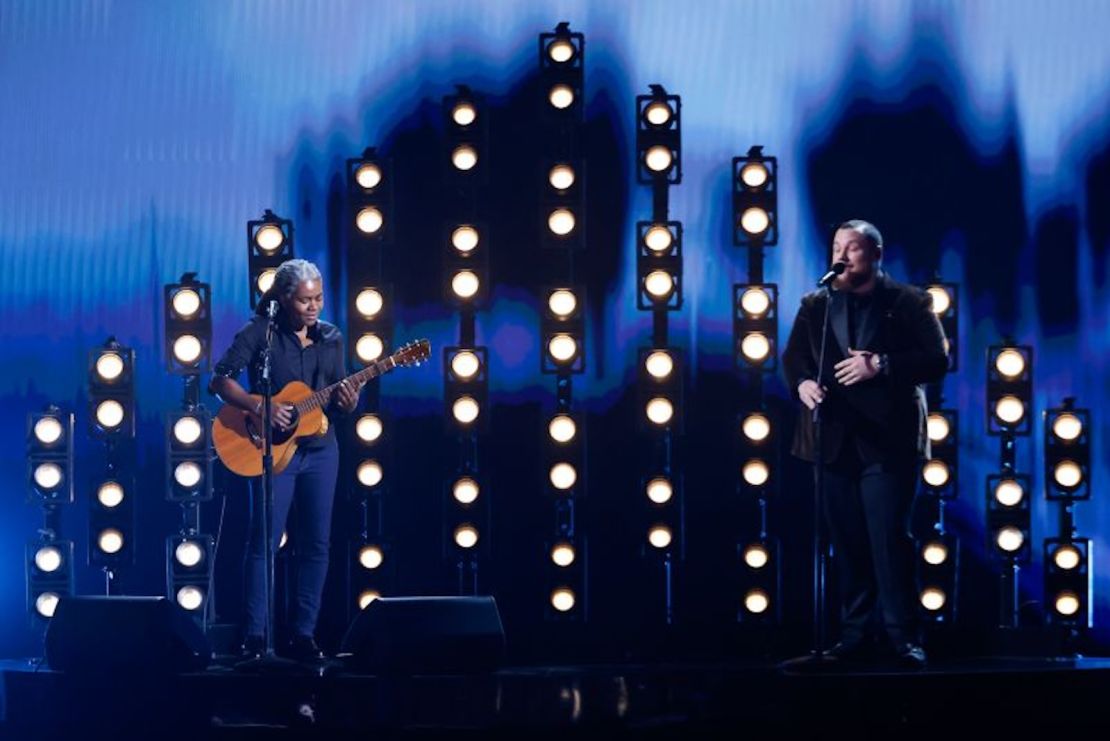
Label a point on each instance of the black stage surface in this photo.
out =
(1007, 698)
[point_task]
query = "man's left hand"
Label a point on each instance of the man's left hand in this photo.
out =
(347, 395)
(858, 366)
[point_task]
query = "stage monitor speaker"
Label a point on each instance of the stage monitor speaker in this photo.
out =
(427, 635)
(111, 634)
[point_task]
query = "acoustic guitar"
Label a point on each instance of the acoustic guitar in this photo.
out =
(238, 434)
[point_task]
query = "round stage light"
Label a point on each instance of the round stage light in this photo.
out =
(368, 176)
(48, 430)
(561, 222)
(265, 279)
(755, 301)
(465, 410)
(660, 536)
(369, 347)
(562, 303)
(937, 427)
(189, 553)
(659, 364)
(46, 603)
(465, 284)
(563, 348)
(109, 414)
(369, 473)
(1008, 492)
(659, 285)
(755, 347)
(187, 474)
(756, 427)
(562, 428)
(562, 599)
(465, 490)
(660, 410)
(369, 220)
(48, 476)
(659, 490)
(658, 239)
(269, 238)
(190, 598)
(756, 556)
(934, 552)
(370, 557)
(756, 601)
(464, 157)
(368, 428)
(756, 472)
(1067, 474)
(561, 97)
(560, 51)
(1066, 557)
(1067, 427)
(561, 176)
(110, 494)
(369, 302)
(941, 300)
(562, 554)
(1067, 603)
(754, 175)
(1010, 363)
(933, 598)
(658, 113)
(465, 239)
(935, 473)
(659, 158)
(109, 366)
(48, 559)
(464, 113)
(465, 364)
(466, 536)
(110, 541)
(755, 220)
(186, 302)
(1010, 539)
(563, 476)
(1009, 410)
(187, 349)
(366, 597)
(187, 430)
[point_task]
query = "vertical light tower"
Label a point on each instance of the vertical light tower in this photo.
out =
(371, 232)
(755, 351)
(562, 231)
(466, 492)
(660, 366)
(49, 558)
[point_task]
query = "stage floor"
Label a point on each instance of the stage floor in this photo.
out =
(613, 701)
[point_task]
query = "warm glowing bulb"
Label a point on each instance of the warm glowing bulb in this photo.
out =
(1067, 603)
(465, 239)
(188, 553)
(562, 303)
(266, 279)
(109, 414)
(465, 490)
(465, 364)
(269, 238)
(1010, 539)
(933, 598)
(660, 410)
(659, 284)
(466, 536)
(756, 601)
(465, 284)
(1068, 474)
(1008, 492)
(187, 474)
(1010, 363)
(560, 51)
(562, 428)
(659, 490)
(464, 113)
(48, 559)
(368, 176)
(110, 541)
(561, 97)
(660, 536)
(935, 473)
(563, 476)
(659, 158)
(755, 220)
(48, 475)
(563, 348)
(109, 366)
(370, 556)
(756, 556)
(368, 428)
(1066, 557)
(659, 364)
(187, 349)
(934, 552)
(561, 176)
(465, 410)
(464, 157)
(755, 347)
(186, 302)
(48, 430)
(370, 473)
(46, 603)
(369, 302)
(1010, 410)
(562, 554)
(756, 472)
(754, 175)
(190, 597)
(941, 300)
(756, 427)
(365, 598)
(938, 427)
(187, 430)
(755, 302)
(110, 494)
(1067, 427)
(369, 220)
(561, 222)
(658, 239)
(369, 347)
(658, 113)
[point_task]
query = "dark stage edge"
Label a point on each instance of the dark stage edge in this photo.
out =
(611, 701)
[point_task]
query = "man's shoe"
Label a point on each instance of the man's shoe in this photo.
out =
(252, 648)
(848, 651)
(304, 648)
(911, 656)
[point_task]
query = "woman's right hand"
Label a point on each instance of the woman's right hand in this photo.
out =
(810, 393)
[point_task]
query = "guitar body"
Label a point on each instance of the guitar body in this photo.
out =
(238, 435)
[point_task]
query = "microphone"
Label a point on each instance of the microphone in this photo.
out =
(836, 269)
(272, 309)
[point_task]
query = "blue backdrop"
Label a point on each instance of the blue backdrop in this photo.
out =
(137, 138)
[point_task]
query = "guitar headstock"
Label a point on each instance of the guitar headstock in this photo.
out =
(413, 353)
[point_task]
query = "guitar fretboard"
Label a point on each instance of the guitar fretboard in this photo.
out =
(323, 396)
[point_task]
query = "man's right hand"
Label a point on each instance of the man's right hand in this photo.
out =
(810, 393)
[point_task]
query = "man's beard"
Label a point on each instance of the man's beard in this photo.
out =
(855, 280)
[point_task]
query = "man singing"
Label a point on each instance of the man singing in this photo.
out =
(883, 342)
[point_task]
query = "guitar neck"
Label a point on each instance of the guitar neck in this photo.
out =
(323, 396)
